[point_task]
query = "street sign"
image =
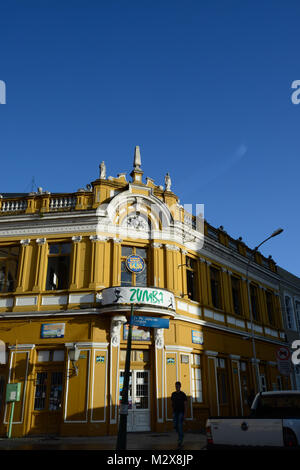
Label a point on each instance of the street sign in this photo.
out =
(283, 355)
(13, 392)
(150, 322)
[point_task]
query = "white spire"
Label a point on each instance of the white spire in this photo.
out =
(137, 158)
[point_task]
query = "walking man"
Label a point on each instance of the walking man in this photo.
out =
(179, 405)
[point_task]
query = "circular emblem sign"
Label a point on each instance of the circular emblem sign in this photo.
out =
(283, 353)
(135, 263)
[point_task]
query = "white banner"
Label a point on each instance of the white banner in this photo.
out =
(138, 295)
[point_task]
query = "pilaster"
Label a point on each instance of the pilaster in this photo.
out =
(41, 265)
(75, 262)
(24, 268)
(116, 262)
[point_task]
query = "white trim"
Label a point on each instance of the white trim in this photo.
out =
(55, 300)
(115, 420)
(214, 315)
(211, 353)
(24, 387)
(26, 301)
(86, 344)
(271, 332)
(256, 328)
(235, 321)
(166, 398)
(290, 296)
(84, 298)
(175, 348)
(6, 302)
(159, 419)
(236, 361)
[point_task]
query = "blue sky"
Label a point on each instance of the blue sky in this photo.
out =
(203, 87)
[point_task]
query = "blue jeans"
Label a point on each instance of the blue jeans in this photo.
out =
(178, 424)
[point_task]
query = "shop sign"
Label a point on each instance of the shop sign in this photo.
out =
(197, 337)
(138, 295)
(53, 330)
(135, 263)
(170, 360)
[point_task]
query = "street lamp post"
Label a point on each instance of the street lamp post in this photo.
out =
(274, 234)
(122, 432)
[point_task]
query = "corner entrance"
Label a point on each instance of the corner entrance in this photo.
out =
(139, 400)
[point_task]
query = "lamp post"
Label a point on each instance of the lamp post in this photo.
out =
(274, 234)
(122, 432)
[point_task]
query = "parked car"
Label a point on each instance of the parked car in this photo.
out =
(274, 421)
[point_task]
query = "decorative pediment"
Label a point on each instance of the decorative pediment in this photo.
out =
(141, 212)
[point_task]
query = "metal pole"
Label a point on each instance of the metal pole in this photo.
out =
(11, 419)
(122, 433)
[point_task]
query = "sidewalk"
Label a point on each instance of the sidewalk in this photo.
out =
(135, 441)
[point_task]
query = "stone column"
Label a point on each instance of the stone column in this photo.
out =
(226, 290)
(157, 268)
(23, 267)
(172, 263)
(116, 270)
(98, 265)
(74, 284)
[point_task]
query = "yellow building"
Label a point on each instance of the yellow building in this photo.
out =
(65, 288)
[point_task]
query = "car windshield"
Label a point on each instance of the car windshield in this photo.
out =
(279, 405)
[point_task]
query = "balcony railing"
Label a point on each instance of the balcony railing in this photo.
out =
(45, 202)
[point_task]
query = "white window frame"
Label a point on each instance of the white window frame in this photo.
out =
(297, 312)
(291, 325)
(197, 379)
(263, 383)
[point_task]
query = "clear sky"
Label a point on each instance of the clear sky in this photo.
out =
(202, 86)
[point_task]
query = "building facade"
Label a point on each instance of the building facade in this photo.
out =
(290, 302)
(65, 289)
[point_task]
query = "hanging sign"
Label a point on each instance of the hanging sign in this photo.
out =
(135, 263)
(150, 322)
(283, 355)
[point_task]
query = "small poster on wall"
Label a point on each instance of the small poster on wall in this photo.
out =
(53, 330)
(197, 337)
